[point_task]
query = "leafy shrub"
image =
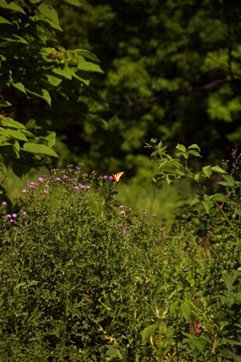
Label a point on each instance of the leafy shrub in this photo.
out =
(210, 299)
(76, 273)
(84, 279)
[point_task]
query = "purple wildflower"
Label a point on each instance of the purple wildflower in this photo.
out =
(4, 204)
(24, 191)
(40, 179)
(32, 185)
(14, 215)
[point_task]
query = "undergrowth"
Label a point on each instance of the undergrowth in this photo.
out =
(84, 278)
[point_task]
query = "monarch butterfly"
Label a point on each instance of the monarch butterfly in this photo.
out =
(117, 176)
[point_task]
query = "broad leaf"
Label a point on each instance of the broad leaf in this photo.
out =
(39, 149)
(149, 332)
(11, 6)
(19, 86)
(89, 67)
(9, 122)
(188, 310)
(54, 81)
(13, 134)
(181, 148)
(41, 93)
(49, 15)
(65, 72)
(218, 169)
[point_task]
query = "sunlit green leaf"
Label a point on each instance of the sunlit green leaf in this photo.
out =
(13, 134)
(49, 15)
(19, 86)
(9, 122)
(11, 6)
(41, 93)
(39, 149)
(181, 148)
(89, 67)
(65, 72)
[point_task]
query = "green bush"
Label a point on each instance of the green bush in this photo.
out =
(75, 273)
(85, 279)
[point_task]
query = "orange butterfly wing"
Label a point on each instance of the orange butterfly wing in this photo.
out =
(117, 176)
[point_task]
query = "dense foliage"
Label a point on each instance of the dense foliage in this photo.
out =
(171, 71)
(44, 86)
(84, 279)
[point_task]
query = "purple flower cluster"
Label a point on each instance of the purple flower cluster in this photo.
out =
(81, 187)
(11, 217)
(124, 209)
(107, 178)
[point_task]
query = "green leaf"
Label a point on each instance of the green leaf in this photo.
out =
(41, 93)
(46, 96)
(19, 86)
(201, 343)
(218, 169)
(219, 197)
(39, 149)
(11, 6)
(49, 15)
(4, 21)
(89, 67)
(9, 122)
(207, 170)
(73, 2)
(169, 332)
(81, 79)
(54, 81)
(87, 54)
(194, 153)
(50, 139)
(65, 72)
(149, 331)
(194, 147)
(188, 310)
(229, 181)
(4, 103)
(15, 39)
(13, 134)
(181, 148)
(207, 205)
(4, 141)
